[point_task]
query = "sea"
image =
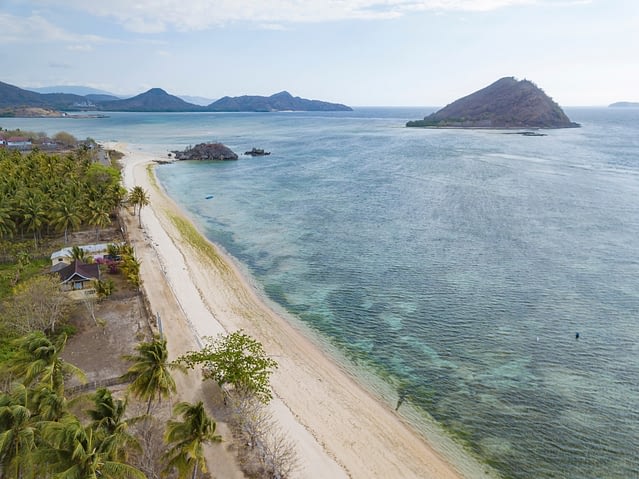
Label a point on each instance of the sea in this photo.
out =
(481, 280)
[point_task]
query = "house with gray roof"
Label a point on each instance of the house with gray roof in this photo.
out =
(79, 276)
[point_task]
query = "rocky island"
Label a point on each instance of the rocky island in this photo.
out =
(507, 103)
(206, 151)
(624, 104)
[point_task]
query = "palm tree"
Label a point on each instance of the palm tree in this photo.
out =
(186, 439)
(17, 433)
(114, 250)
(108, 420)
(150, 374)
(38, 360)
(66, 215)
(7, 225)
(126, 250)
(103, 288)
(138, 197)
(132, 197)
(108, 412)
(48, 405)
(131, 270)
(71, 451)
(114, 195)
(23, 260)
(34, 214)
(78, 254)
(99, 216)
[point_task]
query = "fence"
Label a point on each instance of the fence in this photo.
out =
(93, 385)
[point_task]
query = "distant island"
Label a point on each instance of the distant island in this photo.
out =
(282, 101)
(624, 104)
(14, 99)
(507, 103)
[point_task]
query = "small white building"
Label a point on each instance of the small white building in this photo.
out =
(18, 143)
(65, 255)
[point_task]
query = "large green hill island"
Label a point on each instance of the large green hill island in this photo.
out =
(507, 103)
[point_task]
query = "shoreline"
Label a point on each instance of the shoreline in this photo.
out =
(339, 428)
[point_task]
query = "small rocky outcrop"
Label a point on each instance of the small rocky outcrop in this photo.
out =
(206, 151)
(507, 103)
(257, 152)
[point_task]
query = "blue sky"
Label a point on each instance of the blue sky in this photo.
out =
(358, 52)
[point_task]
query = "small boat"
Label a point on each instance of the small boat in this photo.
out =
(208, 197)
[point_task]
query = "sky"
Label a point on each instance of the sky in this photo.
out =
(357, 52)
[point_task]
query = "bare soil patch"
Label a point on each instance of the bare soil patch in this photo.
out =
(97, 347)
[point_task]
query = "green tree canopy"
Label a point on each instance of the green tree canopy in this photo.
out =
(235, 359)
(43, 192)
(66, 139)
(71, 450)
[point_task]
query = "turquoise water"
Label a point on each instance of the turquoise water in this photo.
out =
(457, 265)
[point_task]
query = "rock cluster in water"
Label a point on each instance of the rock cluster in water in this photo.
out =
(257, 152)
(206, 151)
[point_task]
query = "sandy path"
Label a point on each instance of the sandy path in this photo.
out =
(339, 429)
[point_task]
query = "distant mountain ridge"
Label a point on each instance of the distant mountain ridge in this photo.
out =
(72, 89)
(282, 101)
(506, 103)
(157, 100)
(196, 100)
(12, 96)
(96, 95)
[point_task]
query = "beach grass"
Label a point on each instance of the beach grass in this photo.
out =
(188, 232)
(151, 174)
(193, 237)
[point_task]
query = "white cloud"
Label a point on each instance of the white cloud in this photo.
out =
(63, 66)
(36, 29)
(152, 16)
(80, 48)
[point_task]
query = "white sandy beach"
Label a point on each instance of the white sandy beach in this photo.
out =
(339, 429)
